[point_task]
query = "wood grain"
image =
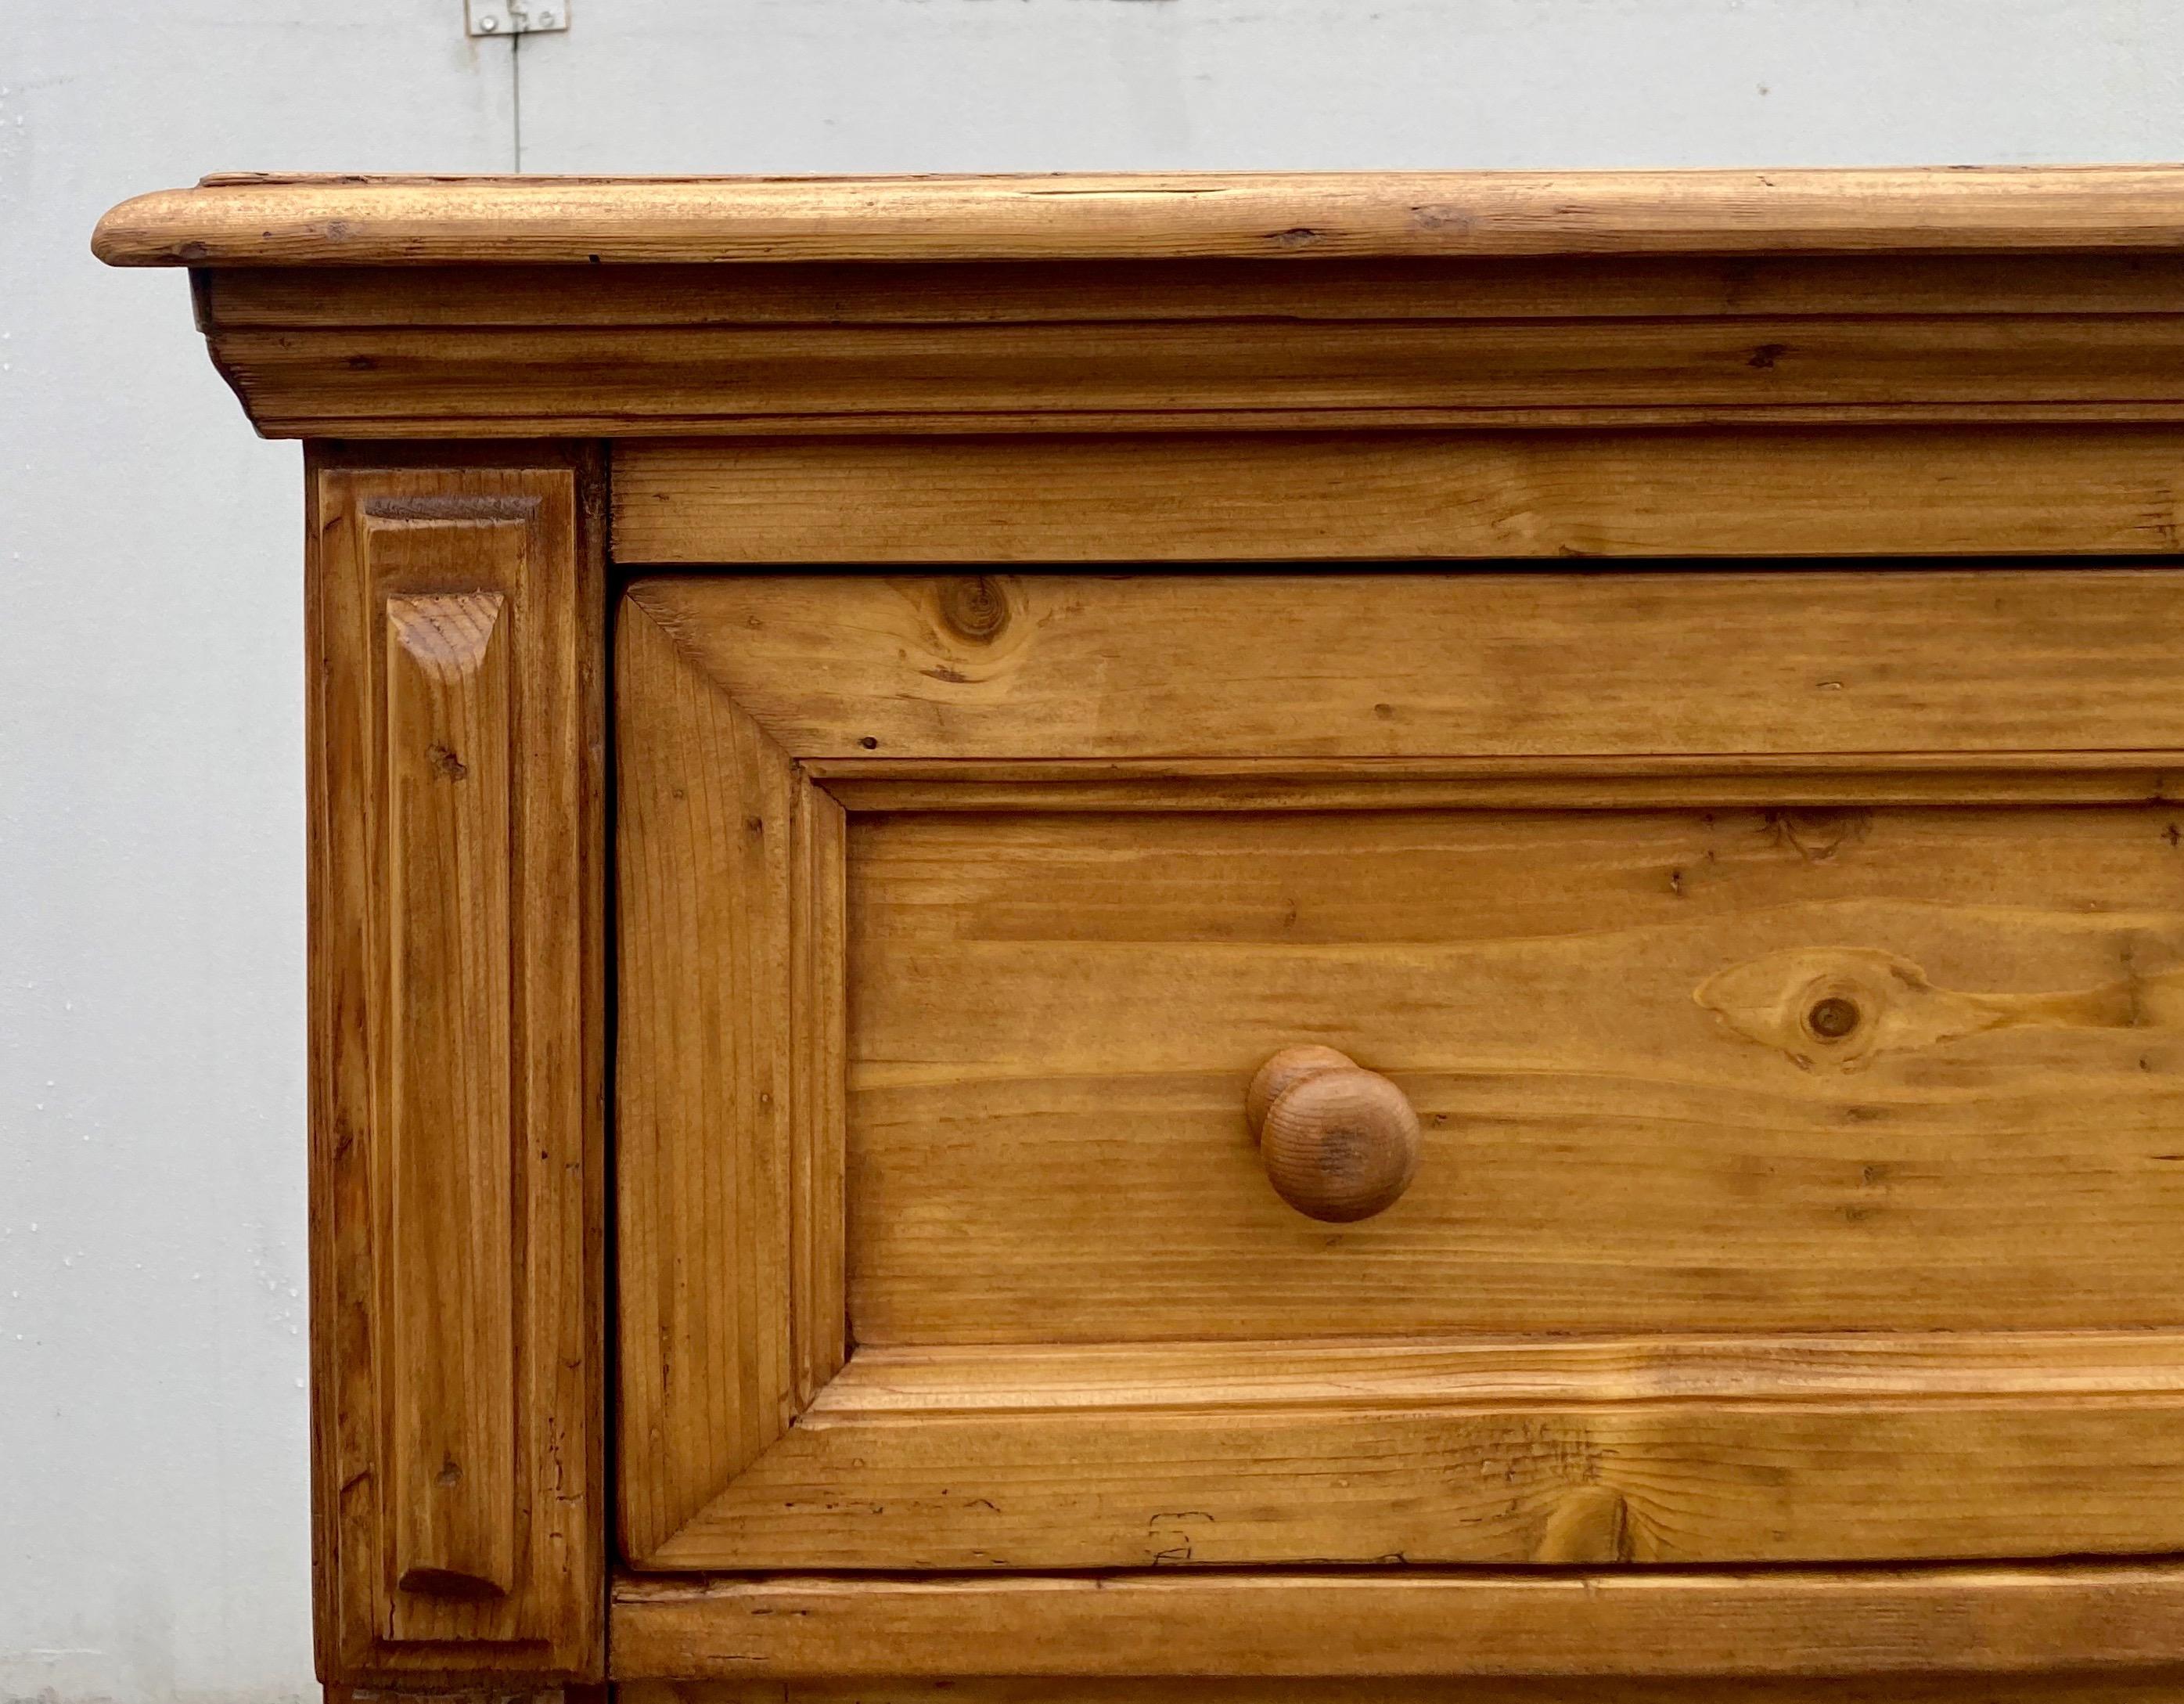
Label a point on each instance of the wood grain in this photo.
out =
(818, 1308)
(351, 220)
(1367, 497)
(1787, 965)
(451, 1273)
(1055, 1017)
(703, 1084)
(1634, 1119)
(1811, 780)
(1410, 665)
(457, 1175)
(1190, 373)
(1419, 1372)
(576, 1693)
(408, 308)
(1523, 1451)
(1339, 1144)
(811, 295)
(2147, 1686)
(1594, 1626)
(1442, 334)
(727, 1085)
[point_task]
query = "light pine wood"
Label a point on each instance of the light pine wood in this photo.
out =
(1412, 665)
(451, 1138)
(1339, 1143)
(1813, 780)
(1541, 1451)
(1288, 497)
(729, 1098)
(1781, 970)
(1282, 1072)
(1190, 374)
(818, 1308)
(1592, 1626)
(1056, 1017)
(751, 309)
(704, 1071)
(1474, 1371)
(253, 219)
(865, 293)
(2143, 1686)
(456, 704)
(578, 1693)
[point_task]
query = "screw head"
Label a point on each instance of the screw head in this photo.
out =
(488, 23)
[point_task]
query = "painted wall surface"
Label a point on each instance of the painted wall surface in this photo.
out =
(153, 1524)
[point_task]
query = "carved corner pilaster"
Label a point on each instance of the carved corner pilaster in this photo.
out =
(455, 615)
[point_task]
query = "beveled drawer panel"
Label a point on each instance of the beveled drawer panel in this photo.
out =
(1606, 1020)
(1785, 972)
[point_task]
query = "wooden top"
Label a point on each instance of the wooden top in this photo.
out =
(265, 221)
(437, 308)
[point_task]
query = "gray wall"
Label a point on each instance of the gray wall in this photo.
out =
(152, 1527)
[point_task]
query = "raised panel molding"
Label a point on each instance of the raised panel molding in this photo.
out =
(748, 729)
(729, 1100)
(457, 1163)
(449, 1491)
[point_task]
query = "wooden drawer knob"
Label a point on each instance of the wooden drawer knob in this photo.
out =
(1339, 1143)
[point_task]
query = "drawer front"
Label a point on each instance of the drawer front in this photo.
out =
(1772, 985)
(1896, 1069)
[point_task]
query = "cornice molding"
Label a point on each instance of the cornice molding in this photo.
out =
(421, 308)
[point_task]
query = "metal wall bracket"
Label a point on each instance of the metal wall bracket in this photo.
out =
(514, 17)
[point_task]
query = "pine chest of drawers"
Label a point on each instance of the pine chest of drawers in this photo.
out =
(1301, 940)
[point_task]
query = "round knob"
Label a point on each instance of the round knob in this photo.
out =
(1339, 1143)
